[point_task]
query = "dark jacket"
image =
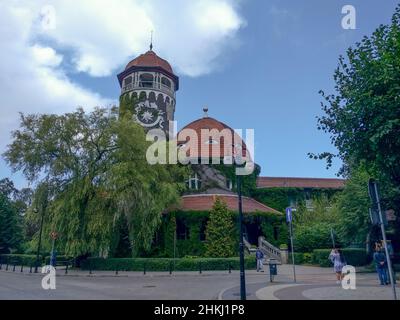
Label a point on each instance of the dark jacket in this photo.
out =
(380, 257)
(259, 255)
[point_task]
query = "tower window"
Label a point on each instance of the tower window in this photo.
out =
(128, 81)
(166, 82)
(146, 80)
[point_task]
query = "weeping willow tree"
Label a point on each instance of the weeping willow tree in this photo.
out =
(95, 172)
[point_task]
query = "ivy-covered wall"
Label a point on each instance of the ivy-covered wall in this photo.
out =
(270, 225)
(280, 198)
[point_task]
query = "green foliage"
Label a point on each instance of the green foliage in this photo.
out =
(170, 236)
(354, 257)
(308, 238)
(20, 259)
(249, 182)
(363, 117)
(11, 234)
(278, 198)
(153, 264)
(220, 232)
(274, 228)
(352, 206)
(95, 171)
(301, 258)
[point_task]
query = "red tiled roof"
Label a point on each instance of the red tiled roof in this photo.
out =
(205, 202)
(150, 59)
(205, 149)
(317, 183)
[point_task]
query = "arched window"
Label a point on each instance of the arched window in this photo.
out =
(146, 80)
(128, 81)
(166, 82)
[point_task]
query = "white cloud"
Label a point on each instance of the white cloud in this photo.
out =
(98, 37)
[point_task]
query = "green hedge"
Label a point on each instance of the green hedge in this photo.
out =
(154, 264)
(301, 258)
(354, 257)
(59, 259)
(19, 259)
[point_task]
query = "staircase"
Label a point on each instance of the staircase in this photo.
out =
(270, 251)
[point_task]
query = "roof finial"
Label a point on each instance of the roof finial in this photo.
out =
(151, 41)
(205, 109)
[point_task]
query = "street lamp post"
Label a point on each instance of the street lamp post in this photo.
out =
(237, 157)
(241, 244)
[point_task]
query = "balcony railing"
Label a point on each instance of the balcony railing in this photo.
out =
(149, 85)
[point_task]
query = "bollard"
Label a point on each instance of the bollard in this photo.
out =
(30, 269)
(90, 268)
(144, 268)
(22, 268)
(200, 271)
(230, 268)
(66, 269)
(116, 271)
(170, 267)
(14, 268)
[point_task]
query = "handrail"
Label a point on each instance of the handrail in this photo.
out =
(269, 249)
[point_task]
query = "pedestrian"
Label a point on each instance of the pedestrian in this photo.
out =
(337, 258)
(381, 266)
(260, 260)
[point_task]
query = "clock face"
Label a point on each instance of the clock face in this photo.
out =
(149, 115)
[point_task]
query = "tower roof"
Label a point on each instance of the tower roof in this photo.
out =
(205, 148)
(150, 59)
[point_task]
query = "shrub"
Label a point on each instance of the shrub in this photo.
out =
(20, 259)
(315, 236)
(355, 257)
(153, 264)
(301, 258)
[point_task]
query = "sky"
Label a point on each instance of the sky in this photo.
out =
(256, 64)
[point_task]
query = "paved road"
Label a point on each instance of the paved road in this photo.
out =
(314, 283)
(182, 286)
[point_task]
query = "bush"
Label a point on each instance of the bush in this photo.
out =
(154, 264)
(355, 257)
(20, 259)
(316, 236)
(301, 258)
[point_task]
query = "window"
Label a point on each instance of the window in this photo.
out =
(146, 80)
(166, 82)
(182, 231)
(211, 141)
(128, 81)
(194, 183)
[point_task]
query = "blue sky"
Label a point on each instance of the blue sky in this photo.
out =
(258, 64)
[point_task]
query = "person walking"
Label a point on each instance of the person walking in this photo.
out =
(260, 260)
(338, 260)
(381, 266)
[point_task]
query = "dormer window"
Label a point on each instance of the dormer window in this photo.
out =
(194, 182)
(212, 141)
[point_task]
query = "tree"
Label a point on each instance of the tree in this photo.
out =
(11, 235)
(312, 228)
(95, 168)
(220, 232)
(363, 117)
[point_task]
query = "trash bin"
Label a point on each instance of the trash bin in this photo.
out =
(273, 269)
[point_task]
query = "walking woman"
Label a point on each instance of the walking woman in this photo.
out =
(381, 266)
(338, 260)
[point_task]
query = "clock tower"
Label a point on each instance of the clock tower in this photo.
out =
(152, 84)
